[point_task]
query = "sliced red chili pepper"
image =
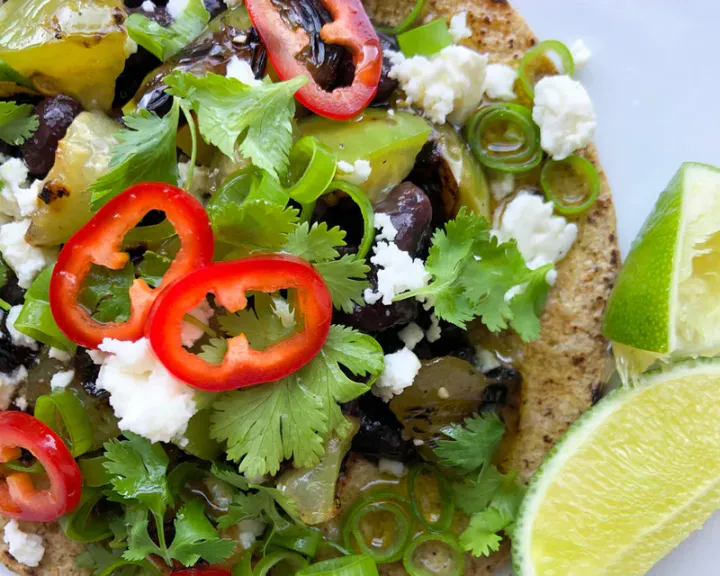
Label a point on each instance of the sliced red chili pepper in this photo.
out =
(18, 496)
(229, 282)
(350, 28)
(98, 242)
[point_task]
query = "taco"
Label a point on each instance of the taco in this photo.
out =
(406, 214)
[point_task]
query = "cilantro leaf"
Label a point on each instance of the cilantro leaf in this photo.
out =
(153, 267)
(163, 42)
(105, 293)
(146, 152)
(17, 122)
(346, 279)
(140, 544)
(492, 488)
(473, 275)
(289, 418)
(195, 537)
(9, 74)
(214, 351)
(316, 244)
(228, 109)
(137, 470)
(472, 445)
(260, 324)
(481, 536)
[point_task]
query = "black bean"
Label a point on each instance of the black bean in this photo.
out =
(12, 356)
(87, 372)
(387, 85)
(380, 433)
(137, 67)
(55, 114)
(215, 7)
(410, 211)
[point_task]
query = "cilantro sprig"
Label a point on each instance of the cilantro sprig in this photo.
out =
(492, 499)
(473, 275)
(17, 122)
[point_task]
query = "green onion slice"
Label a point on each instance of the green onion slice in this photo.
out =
(305, 541)
(407, 23)
(93, 472)
(504, 137)
(65, 414)
(572, 184)
(294, 560)
(537, 63)
(34, 468)
(119, 567)
(452, 566)
(441, 521)
(312, 168)
(355, 565)
(381, 510)
(426, 40)
(5, 305)
(80, 525)
(360, 198)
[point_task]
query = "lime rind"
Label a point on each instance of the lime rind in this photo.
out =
(691, 516)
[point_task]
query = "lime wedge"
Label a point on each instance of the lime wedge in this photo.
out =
(629, 481)
(667, 296)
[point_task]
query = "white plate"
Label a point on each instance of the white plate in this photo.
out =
(653, 79)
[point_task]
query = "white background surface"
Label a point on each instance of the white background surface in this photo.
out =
(653, 77)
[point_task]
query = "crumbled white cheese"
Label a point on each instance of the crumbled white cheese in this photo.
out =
(239, 39)
(502, 185)
(22, 403)
(60, 355)
(459, 29)
(148, 6)
(418, 441)
(9, 383)
(97, 356)
(26, 548)
(391, 112)
(541, 237)
(387, 230)
(398, 273)
(356, 173)
(400, 370)
(514, 291)
(434, 332)
(241, 70)
(565, 114)
(250, 530)
(411, 335)
(191, 333)
(281, 309)
(580, 52)
(449, 85)
(61, 380)
(147, 399)
(485, 360)
(499, 82)
(551, 276)
(26, 260)
(443, 393)
(17, 199)
(176, 7)
(17, 337)
(391, 467)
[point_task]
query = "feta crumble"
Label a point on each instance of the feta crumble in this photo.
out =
(542, 237)
(398, 273)
(22, 403)
(502, 185)
(17, 337)
(356, 173)
(411, 335)
(60, 355)
(191, 333)
(565, 114)
(449, 85)
(17, 200)
(281, 309)
(459, 29)
(176, 7)
(250, 530)
(61, 380)
(499, 82)
(26, 260)
(391, 467)
(400, 370)
(97, 357)
(9, 383)
(148, 6)
(434, 332)
(26, 548)
(485, 360)
(241, 70)
(387, 230)
(580, 52)
(147, 399)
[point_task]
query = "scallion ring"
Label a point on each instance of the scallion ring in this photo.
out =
(408, 22)
(93, 471)
(34, 468)
(146, 568)
(294, 559)
(80, 525)
(456, 562)
(530, 68)
(368, 215)
(355, 565)
(66, 415)
(446, 498)
(571, 184)
(504, 137)
(312, 168)
(401, 533)
(426, 40)
(305, 541)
